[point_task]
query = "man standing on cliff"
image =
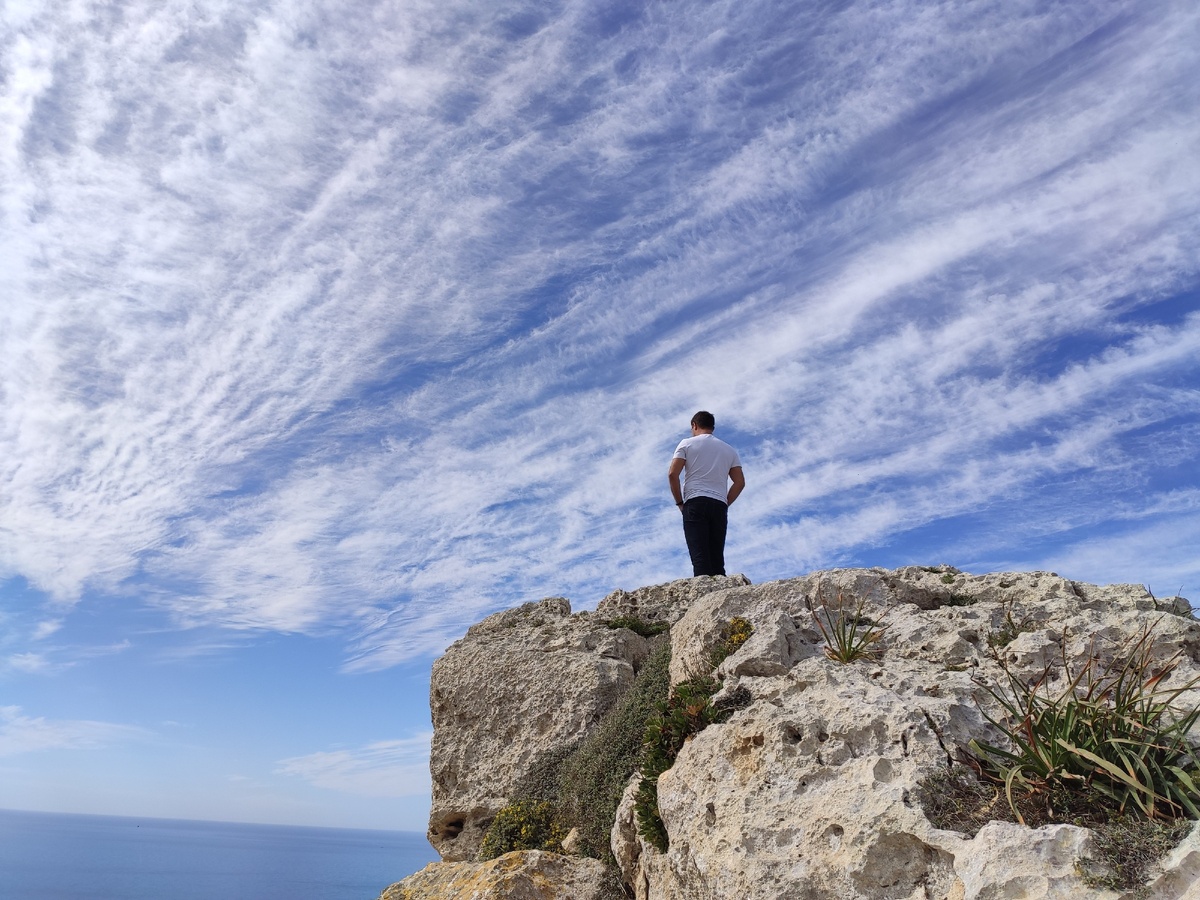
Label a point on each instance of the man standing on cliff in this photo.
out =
(708, 465)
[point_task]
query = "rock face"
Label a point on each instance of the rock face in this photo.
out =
(528, 875)
(527, 681)
(809, 790)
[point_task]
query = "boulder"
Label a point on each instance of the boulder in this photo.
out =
(664, 603)
(520, 875)
(525, 683)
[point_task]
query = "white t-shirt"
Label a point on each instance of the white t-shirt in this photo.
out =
(706, 464)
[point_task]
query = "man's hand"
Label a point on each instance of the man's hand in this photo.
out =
(739, 483)
(673, 480)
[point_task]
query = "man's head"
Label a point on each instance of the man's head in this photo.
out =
(704, 421)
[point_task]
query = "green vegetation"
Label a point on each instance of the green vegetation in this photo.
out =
(1112, 732)
(637, 626)
(849, 635)
(524, 825)
(1109, 750)
(593, 778)
(732, 637)
(581, 785)
(1004, 635)
(687, 711)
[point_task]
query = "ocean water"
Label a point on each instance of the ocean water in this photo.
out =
(48, 856)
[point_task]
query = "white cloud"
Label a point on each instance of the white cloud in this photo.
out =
(30, 663)
(379, 321)
(24, 734)
(397, 768)
(46, 628)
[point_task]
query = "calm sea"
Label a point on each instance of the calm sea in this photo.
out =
(46, 856)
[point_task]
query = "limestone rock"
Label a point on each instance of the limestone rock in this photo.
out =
(520, 683)
(807, 791)
(526, 682)
(1180, 878)
(521, 875)
(664, 602)
(1007, 860)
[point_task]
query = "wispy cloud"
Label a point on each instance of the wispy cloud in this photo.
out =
(46, 628)
(374, 322)
(31, 663)
(398, 768)
(20, 733)
(51, 659)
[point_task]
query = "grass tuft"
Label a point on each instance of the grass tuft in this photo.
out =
(1128, 851)
(1113, 732)
(1109, 751)
(849, 634)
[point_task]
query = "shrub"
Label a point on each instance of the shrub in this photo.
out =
(849, 635)
(1112, 733)
(637, 626)
(593, 778)
(735, 633)
(687, 711)
(524, 825)
(583, 783)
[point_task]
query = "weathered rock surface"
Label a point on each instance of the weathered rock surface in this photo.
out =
(809, 791)
(522, 875)
(527, 681)
(664, 602)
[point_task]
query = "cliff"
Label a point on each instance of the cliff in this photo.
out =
(794, 774)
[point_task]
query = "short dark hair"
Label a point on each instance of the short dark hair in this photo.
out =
(704, 420)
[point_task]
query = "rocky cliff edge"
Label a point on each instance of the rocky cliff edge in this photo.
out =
(811, 787)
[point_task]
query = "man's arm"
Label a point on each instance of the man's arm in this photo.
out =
(673, 480)
(739, 482)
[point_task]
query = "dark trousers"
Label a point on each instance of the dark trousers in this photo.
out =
(705, 521)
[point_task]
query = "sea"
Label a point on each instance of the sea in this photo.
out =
(52, 856)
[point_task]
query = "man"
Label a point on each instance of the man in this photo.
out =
(708, 465)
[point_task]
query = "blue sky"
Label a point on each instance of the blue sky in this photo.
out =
(327, 329)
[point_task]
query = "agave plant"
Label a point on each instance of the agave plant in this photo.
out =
(849, 634)
(1115, 731)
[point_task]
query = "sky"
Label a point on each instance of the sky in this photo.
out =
(329, 328)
